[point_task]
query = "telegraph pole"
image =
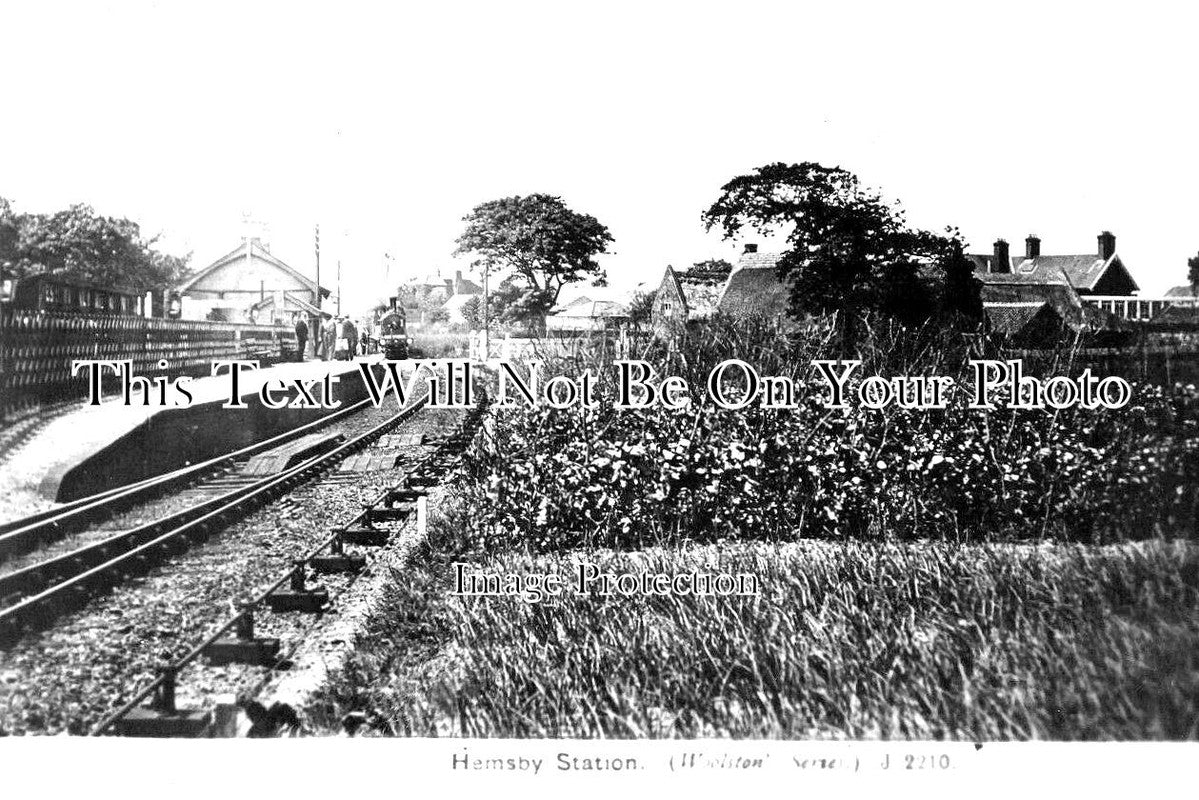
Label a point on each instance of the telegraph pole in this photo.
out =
(317, 242)
(486, 315)
(339, 287)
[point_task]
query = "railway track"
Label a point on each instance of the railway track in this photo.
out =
(342, 551)
(34, 594)
(23, 534)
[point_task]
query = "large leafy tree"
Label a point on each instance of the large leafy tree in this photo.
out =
(1193, 274)
(86, 245)
(511, 304)
(641, 307)
(849, 250)
(539, 239)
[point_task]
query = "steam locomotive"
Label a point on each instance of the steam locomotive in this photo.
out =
(393, 332)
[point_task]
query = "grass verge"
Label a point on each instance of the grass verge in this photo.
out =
(906, 640)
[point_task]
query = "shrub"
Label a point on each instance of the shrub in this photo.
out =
(547, 479)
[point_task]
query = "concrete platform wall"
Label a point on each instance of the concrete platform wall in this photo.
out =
(170, 438)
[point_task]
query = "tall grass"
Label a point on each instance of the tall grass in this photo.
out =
(849, 640)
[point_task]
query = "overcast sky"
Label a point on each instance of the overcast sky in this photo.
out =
(386, 125)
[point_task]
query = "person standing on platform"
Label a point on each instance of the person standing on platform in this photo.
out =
(350, 331)
(301, 337)
(329, 336)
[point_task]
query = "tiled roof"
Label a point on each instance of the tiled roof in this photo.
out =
(1011, 318)
(466, 286)
(1080, 271)
(757, 260)
(593, 309)
(1181, 291)
(1061, 296)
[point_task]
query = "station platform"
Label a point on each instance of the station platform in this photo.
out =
(91, 448)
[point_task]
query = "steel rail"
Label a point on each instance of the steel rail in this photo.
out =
(247, 607)
(19, 535)
(78, 571)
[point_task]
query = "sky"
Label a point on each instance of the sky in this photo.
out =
(386, 124)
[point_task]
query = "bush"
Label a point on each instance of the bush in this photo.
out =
(548, 479)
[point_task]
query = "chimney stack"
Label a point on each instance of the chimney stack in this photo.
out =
(1032, 247)
(1107, 245)
(1002, 262)
(751, 248)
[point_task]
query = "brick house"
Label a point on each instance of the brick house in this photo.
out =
(752, 288)
(1038, 297)
(685, 296)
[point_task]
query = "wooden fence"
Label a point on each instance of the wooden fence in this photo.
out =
(37, 349)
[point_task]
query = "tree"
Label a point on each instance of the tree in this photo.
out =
(83, 244)
(849, 250)
(515, 304)
(1193, 274)
(960, 296)
(641, 307)
(538, 239)
(9, 233)
(472, 311)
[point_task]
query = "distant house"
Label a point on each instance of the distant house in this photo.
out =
(1098, 273)
(1027, 323)
(1182, 291)
(685, 296)
(1034, 299)
(248, 283)
(752, 289)
(587, 315)
(422, 295)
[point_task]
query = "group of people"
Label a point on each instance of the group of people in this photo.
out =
(336, 338)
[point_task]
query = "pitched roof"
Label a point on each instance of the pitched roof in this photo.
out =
(1060, 295)
(301, 305)
(753, 292)
(756, 260)
(573, 294)
(254, 249)
(456, 302)
(593, 309)
(466, 286)
(1080, 271)
(1181, 291)
(1010, 318)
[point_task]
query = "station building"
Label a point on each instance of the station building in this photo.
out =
(248, 284)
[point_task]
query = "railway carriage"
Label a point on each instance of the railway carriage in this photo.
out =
(47, 292)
